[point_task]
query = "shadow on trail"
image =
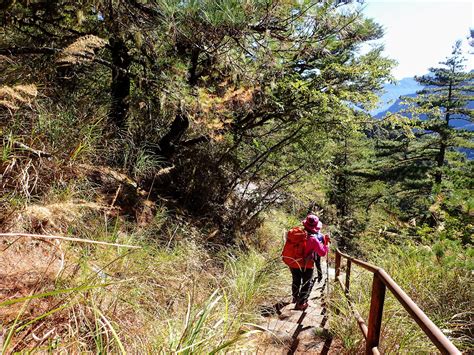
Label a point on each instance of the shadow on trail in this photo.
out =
(295, 337)
(268, 311)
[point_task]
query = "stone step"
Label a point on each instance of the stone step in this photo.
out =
(289, 331)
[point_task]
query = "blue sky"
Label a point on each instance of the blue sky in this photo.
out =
(420, 33)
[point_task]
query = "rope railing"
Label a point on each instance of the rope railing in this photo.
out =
(382, 281)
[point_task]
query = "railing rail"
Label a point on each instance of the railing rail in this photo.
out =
(381, 282)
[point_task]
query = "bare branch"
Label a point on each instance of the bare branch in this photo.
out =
(80, 240)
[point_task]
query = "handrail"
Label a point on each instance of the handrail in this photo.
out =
(381, 281)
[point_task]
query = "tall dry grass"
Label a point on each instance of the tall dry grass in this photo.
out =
(171, 296)
(439, 282)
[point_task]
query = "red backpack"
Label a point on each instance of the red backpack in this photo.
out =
(293, 251)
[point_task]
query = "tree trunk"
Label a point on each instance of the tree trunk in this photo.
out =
(440, 161)
(169, 142)
(193, 76)
(444, 136)
(120, 87)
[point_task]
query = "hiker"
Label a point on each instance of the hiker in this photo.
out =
(300, 251)
(317, 260)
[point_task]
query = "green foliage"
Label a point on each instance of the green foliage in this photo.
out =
(422, 150)
(408, 167)
(435, 278)
(7, 149)
(174, 298)
(220, 110)
(251, 276)
(230, 87)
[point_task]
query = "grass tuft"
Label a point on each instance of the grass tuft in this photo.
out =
(171, 296)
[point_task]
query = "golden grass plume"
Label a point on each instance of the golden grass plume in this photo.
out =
(13, 96)
(81, 50)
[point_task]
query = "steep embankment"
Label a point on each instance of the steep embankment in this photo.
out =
(178, 292)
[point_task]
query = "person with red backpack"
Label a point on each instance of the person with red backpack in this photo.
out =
(300, 250)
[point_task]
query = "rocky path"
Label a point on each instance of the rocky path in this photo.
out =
(288, 331)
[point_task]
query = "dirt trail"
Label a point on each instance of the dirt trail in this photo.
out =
(288, 331)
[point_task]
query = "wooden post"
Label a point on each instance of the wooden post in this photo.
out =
(337, 271)
(348, 275)
(375, 315)
(381, 281)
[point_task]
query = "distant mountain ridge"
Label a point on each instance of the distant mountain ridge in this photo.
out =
(391, 94)
(391, 102)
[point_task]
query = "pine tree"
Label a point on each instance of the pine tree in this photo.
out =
(446, 95)
(420, 152)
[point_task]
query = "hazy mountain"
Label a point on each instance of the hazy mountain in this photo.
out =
(392, 92)
(408, 87)
(397, 106)
(390, 102)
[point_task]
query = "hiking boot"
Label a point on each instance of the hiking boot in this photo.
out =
(301, 306)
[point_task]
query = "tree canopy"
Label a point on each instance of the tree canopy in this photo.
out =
(234, 85)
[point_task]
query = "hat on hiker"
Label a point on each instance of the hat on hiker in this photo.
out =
(312, 223)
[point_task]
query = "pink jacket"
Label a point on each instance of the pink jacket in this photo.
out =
(314, 246)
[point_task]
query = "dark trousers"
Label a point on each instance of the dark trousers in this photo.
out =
(301, 284)
(317, 262)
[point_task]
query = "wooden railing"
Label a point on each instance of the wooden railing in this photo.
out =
(381, 282)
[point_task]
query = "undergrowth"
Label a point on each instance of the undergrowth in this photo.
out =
(173, 295)
(437, 278)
